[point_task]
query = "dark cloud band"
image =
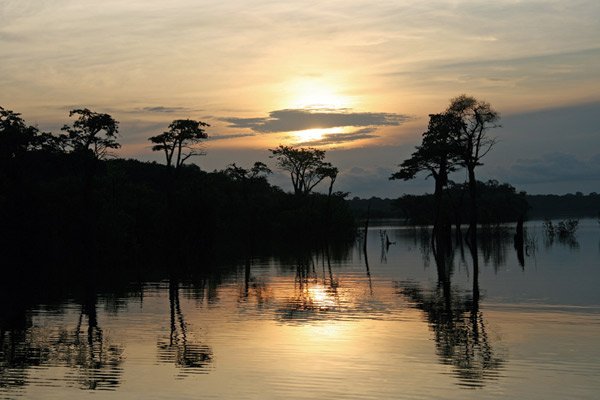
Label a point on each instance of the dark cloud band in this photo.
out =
(229, 136)
(291, 120)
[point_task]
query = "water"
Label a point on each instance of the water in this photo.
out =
(329, 326)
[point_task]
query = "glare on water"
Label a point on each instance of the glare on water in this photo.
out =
(394, 324)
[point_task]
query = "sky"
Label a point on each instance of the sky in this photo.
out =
(355, 78)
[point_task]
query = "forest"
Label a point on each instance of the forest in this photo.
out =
(68, 205)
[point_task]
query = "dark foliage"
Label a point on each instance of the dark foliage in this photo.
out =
(307, 167)
(180, 141)
(210, 213)
(499, 203)
(67, 211)
(379, 208)
(572, 205)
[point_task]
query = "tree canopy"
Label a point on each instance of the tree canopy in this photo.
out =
(438, 152)
(85, 135)
(307, 167)
(472, 138)
(180, 141)
(258, 171)
(16, 137)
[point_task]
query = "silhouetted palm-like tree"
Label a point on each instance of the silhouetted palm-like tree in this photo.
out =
(181, 141)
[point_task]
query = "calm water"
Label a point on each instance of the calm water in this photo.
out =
(394, 325)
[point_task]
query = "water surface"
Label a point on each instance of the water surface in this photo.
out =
(390, 324)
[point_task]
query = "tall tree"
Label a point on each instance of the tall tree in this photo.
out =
(438, 156)
(91, 132)
(15, 136)
(307, 167)
(473, 142)
(91, 138)
(181, 141)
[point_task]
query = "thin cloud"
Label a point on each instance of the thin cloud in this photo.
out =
(230, 136)
(138, 110)
(290, 120)
(165, 110)
(339, 138)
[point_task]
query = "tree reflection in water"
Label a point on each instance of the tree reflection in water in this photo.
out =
(17, 352)
(255, 286)
(569, 241)
(94, 363)
(179, 348)
(460, 334)
(312, 299)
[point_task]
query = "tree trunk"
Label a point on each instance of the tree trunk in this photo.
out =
(473, 205)
(519, 242)
(366, 229)
(437, 222)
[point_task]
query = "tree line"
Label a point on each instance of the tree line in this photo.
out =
(66, 200)
(416, 209)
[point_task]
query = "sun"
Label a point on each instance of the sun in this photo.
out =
(316, 94)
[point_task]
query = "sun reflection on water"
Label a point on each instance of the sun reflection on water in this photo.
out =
(321, 297)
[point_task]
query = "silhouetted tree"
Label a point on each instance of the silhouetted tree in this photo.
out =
(85, 135)
(180, 141)
(253, 199)
(438, 156)
(15, 136)
(258, 171)
(90, 140)
(473, 141)
(307, 167)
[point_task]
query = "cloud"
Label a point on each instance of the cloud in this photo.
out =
(229, 136)
(556, 167)
(338, 138)
(289, 120)
(162, 110)
(165, 110)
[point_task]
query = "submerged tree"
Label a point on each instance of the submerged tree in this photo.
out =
(307, 167)
(473, 142)
(438, 156)
(91, 132)
(181, 141)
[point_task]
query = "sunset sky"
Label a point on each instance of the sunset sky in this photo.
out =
(358, 78)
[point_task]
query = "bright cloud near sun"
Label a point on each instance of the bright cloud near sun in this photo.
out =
(316, 94)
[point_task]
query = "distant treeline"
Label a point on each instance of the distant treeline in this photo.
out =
(499, 203)
(576, 205)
